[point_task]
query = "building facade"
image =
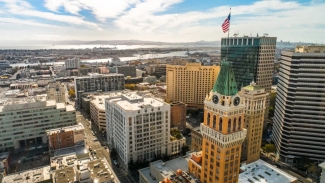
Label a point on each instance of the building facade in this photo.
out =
(190, 83)
(254, 99)
(56, 91)
(98, 83)
(223, 132)
(178, 115)
(299, 126)
(252, 59)
(72, 63)
(24, 121)
(66, 137)
(127, 71)
(139, 128)
(97, 109)
(196, 139)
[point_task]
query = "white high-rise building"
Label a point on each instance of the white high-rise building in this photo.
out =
(56, 91)
(24, 121)
(299, 118)
(139, 128)
(72, 63)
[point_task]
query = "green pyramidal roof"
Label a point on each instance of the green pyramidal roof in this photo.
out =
(226, 83)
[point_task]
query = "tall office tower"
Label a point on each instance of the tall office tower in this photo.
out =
(223, 132)
(56, 91)
(254, 98)
(98, 83)
(72, 63)
(139, 128)
(252, 59)
(24, 121)
(299, 110)
(190, 83)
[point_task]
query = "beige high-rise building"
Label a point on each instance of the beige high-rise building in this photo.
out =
(56, 91)
(254, 98)
(190, 83)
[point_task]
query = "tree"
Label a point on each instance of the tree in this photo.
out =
(179, 136)
(72, 93)
(269, 148)
(130, 86)
(271, 112)
(185, 149)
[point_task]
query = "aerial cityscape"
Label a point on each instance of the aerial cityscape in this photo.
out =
(162, 91)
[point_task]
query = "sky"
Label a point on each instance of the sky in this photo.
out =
(159, 20)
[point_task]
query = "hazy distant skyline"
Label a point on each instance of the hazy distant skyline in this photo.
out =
(159, 20)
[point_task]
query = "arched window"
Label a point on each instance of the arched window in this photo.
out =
(214, 122)
(239, 122)
(235, 124)
(220, 124)
(208, 120)
(229, 125)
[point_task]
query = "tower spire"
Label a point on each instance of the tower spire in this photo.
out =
(226, 83)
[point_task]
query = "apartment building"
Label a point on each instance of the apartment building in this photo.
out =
(139, 128)
(66, 137)
(95, 82)
(24, 121)
(72, 63)
(178, 115)
(254, 99)
(97, 108)
(252, 59)
(56, 91)
(299, 126)
(190, 83)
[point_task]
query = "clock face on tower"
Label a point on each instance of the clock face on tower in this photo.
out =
(215, 99)
(236, 101)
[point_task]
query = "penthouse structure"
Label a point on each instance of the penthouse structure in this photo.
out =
(299, 126)
(139, 128)
(24, 121)
(98, 83)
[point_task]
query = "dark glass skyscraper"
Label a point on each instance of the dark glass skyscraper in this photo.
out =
(252, 59)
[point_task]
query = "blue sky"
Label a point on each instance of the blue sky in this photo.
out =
(159, 20)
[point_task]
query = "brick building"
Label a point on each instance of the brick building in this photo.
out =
(66, 137)
(178, 115)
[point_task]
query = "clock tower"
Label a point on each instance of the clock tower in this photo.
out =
(222, 130)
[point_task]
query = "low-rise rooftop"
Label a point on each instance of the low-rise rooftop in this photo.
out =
(67, 128)
(133, 101)
(262, 172)
(41, 174)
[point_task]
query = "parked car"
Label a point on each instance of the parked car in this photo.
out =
(115, 162)
(32, 148)
(39, 147)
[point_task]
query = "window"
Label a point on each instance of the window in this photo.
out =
(239, 123)
(208, 120)
(214, 121)
(220, 124)
(235, 121)
(229, 125)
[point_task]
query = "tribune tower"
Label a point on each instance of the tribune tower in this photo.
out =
(223, 132)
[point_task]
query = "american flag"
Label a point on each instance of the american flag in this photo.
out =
(226, 24)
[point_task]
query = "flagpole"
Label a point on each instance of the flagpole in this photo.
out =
(228, 37)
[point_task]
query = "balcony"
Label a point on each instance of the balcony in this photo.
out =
(222, 139)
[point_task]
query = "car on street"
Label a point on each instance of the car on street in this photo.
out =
(32, 148)
(95, 139)
(39, 147)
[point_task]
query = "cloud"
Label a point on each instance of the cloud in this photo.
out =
(24, 22)
(21, 7)
(99, 8)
